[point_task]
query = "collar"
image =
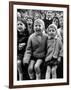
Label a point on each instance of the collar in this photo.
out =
(53, 38)
(38, 35)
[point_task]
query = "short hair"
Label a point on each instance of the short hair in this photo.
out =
(57, 19)
(40, 21)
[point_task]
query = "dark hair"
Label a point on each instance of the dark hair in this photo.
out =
(58, 21)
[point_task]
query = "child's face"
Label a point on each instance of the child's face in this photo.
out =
(49, 15)
(36, 16)
(38, 27)
(55, 21)
(20, 26)
(29, 22)
(51, 32)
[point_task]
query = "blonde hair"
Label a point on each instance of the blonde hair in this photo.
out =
(41, 22)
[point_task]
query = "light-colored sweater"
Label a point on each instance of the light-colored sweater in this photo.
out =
(54, 48)
(36, 46)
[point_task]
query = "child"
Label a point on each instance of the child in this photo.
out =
(35, 51)
(48, 19)
(55, 21)
(30, 25)
(22, 37)
(54, 46)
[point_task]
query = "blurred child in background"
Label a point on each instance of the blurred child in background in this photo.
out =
(30, 25)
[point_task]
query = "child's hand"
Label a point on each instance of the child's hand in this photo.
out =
(59, 59)
(26, 59)
(21, 45)
(47, 59)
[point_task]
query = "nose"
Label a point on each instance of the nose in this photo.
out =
(19, 25)
(51, 32)
(37, 27)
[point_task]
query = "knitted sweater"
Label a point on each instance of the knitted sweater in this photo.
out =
(36, 47)
(54, 48)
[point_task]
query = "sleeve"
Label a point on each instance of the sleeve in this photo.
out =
(28, 51)
(58, 48)
(48, 58)
(48, 54)
(29, 46)
(61, 49)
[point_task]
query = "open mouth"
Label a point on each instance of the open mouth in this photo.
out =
(38, 30)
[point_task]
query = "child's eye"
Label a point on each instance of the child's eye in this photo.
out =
(20, 24)
(49, 30)
(39, 25)
(35, 25)
(53, 30)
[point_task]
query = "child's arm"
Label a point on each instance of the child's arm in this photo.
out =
(60, 50)
(28, 51)
(21, 45)
(48, 58)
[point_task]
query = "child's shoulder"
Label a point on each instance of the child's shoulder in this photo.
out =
(32, 36)
(45, 35)
(58, 40)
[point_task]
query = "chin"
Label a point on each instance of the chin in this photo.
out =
(38, 33)
(52, 37)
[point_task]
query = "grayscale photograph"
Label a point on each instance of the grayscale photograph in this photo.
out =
(39, 44)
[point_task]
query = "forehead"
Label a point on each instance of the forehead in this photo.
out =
(20, 22)
(38, 23)
(52, 28)
(29, 19)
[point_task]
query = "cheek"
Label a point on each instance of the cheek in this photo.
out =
(56, 22)
(42, 27)
(23, 26)
(55, 33)
(18, 26)
(34, 28)
(49, 32)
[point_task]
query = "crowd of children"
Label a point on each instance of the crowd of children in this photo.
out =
(39, 44)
